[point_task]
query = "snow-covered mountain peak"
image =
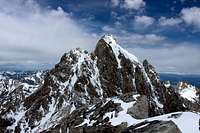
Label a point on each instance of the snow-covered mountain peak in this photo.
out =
(109, 39)
(108, 89)
(188, 91)
(184, 85)
(118, 52)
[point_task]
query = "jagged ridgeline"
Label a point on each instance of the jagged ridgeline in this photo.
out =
(108, 90)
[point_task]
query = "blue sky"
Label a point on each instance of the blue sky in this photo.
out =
(96, 14)
(166, 32)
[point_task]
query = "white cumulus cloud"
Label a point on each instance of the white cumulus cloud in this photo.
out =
(144, 20)
(134, 4)
(115, 2)
(191, 16)
(29, 34)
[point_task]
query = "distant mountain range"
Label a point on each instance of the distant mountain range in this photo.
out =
(176, 78)
(25, 67)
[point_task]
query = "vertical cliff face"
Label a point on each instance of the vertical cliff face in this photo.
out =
(106, 87)
(116, 67)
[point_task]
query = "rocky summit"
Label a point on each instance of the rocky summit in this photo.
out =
(106, 91)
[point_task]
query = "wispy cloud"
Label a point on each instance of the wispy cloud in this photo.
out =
(181, 58)
(141, 39)
(144, 21)
(163, 21)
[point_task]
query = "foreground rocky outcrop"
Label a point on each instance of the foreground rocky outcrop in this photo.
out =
(107, 90)
(153, 127)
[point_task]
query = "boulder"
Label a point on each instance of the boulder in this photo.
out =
(140, 109)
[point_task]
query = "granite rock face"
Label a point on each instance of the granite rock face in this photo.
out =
(107, 90)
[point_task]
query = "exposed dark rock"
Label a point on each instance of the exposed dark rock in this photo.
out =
(153, 127)
(114, 80)
(166, 95)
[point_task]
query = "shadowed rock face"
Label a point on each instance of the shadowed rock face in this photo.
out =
(153, 127)
(96, 92)
(167, 96)
(114, 80)
(107, 65)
